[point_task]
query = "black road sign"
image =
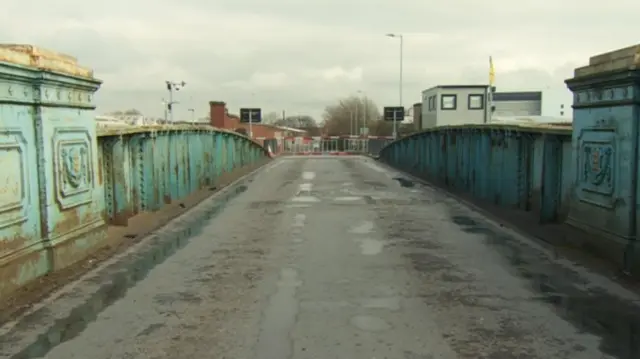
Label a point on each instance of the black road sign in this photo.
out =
(394, 113)
(253, 115)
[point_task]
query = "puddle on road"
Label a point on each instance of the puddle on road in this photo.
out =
(308, 176)
(348, 199)
(306, 187)
(299, 220)
(392, 303)
(279, 318)
(616, 321)
(307, 199)
(370, 323)
(363, 228)
(115, 281)
(404, 182)
(298, 205)
(370, 247)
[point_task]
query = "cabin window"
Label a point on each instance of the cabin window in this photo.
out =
(476, 102)
(448, 102)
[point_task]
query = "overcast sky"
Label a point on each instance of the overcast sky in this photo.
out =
(300, 55)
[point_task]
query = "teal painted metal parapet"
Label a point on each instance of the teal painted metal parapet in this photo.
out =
(144, 168)
(51, 207)
(523, 167)
(60, 179)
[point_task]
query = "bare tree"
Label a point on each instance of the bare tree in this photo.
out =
(349, 116)
(302, 122)
(132, 112)
(385, 128)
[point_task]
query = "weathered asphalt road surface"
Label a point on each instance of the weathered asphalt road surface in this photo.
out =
(326, 258)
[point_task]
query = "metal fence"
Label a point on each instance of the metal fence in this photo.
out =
(335, 145)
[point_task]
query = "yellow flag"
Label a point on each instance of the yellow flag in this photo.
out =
(492, 72)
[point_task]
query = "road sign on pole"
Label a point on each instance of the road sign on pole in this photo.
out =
(394, 114)
(250, 115)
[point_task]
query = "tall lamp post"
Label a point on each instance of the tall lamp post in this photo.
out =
(398, 36)
(358, 129)
(170, 87)
(253, 95)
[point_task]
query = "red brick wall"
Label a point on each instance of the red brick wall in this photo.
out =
(221, 119)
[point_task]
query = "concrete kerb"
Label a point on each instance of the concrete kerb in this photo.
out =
(67, 312)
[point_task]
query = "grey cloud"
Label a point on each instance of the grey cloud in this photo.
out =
(105, 54)
(219, 47)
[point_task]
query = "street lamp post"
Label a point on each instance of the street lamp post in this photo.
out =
(170, 87)
(357, 127)
(253, 95)
(395, 132)
(165, 104)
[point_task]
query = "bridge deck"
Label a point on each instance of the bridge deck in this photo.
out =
(338, 257)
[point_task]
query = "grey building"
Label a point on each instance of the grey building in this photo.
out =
(447, 105)
(517, 103)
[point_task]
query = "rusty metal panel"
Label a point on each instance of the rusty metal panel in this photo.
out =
(501, 164)
(116, 169)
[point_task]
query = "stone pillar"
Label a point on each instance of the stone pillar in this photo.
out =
(218, 114)
(606, 102)
(52, 213)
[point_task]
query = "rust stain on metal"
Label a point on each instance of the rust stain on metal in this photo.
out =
(32, 56)
(68, 221)
(11, 272)
(100, 163)
(156, 193)
(10, 244)
(71, 219)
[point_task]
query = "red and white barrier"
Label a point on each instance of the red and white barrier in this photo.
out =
(321, 145)
(322, 138)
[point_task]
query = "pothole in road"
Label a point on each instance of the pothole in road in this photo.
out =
(404, 182)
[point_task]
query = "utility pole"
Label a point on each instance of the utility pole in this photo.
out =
(170, 87)
(350, 123)
(165, 105)
(399, 36)
(364, 120)
(355, 124)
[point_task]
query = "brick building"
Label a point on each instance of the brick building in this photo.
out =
(220, 118)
